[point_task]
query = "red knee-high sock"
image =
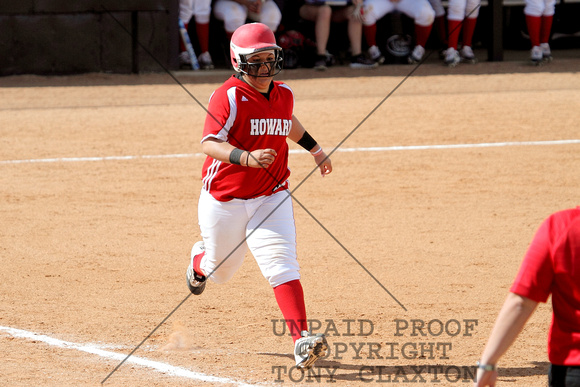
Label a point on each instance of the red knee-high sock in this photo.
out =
(534, 24)
(203, 36)
(181, 44)
(422, 34)
(454, 27)
(370, 33)
(546, 28)
(468, 29)
(439, 25)
(290, 298)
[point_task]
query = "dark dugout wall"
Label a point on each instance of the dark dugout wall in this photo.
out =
(53, 37)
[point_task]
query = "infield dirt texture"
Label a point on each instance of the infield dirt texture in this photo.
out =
(437, 195)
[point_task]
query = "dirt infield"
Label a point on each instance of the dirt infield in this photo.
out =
(407, 249)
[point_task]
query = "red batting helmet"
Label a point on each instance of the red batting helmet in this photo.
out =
(253, 38)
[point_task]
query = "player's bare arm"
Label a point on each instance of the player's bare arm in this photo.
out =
(299, 135)
(226, 152)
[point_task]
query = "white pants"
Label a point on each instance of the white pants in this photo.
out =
(200, 8)
(540, 7)
(234, 15)
(460, 9)
(265, 225)
(437, 7)
(418, 10)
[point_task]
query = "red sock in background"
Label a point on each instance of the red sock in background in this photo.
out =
(202, 36)
(454, 27)
(370, 33)
(534, 24)
(290, 298)
(468, 29)
(439, 25)
(422, 34)
(546, 28)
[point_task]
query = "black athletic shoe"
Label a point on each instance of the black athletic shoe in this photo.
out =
(361, 62)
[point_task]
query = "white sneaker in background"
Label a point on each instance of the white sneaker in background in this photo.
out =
(184, 59)
(376, 54)
(536, 55)
(416, 55)
(452, 57)
(205, 61)
(546, 52)
(467, 54)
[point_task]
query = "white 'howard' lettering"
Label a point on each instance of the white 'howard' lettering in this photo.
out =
(270, 126)
(253, 127)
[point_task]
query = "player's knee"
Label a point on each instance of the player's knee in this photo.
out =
(370, 17)
(472, 11)
(535, 10)
(236, 18)
(324, 12)
(426, 17)
(272, 20)
(550, 8)
(456, 12)
(281, 278)
(202, 18)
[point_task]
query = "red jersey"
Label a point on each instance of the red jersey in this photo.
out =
(552, 266)
(247, 119)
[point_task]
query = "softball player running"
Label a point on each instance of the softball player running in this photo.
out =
(245, 202)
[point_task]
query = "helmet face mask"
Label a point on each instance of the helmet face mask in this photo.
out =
(273, 63)
(251, 39)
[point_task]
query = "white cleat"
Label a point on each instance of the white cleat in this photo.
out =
(416, 55)
(452, 57)
(376, 54)
(308, 349)
(467, 55)
(536, 55)
(546, 52)
(205, 61)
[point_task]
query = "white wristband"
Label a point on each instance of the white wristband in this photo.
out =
(317, 152)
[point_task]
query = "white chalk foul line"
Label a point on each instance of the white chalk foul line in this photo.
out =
(95, 350)
(297, 151)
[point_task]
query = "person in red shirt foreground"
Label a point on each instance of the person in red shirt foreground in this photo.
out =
(551, 266)
(245, 201)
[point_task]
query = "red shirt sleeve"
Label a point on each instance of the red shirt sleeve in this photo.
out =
(534, 279)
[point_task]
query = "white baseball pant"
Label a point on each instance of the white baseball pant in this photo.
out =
(265, 225)
(460, 9)
(234, 14)
(419, 10)
(540, 7)
(200, 8)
